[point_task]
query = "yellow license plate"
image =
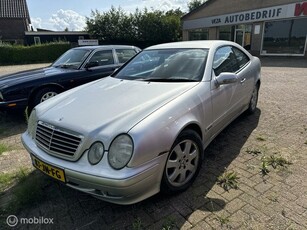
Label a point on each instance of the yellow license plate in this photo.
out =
(52, 171)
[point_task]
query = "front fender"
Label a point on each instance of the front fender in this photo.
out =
(156, 134)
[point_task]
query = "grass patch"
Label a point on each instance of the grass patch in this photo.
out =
(27, 191)
(4, 148)
(228, 180)
(6, 179)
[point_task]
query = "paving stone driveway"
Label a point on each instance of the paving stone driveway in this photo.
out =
(277, 200)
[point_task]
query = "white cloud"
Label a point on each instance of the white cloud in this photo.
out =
(67, 19)
(165, 5)
(36, 23)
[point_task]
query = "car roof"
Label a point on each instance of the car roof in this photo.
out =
(192, 44)
(107, 47)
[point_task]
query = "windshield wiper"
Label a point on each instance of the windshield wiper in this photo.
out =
(64, 66)
(168, 79)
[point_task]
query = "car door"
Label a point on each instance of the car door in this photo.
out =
(101, 64)
(226, 98)
(245, 74)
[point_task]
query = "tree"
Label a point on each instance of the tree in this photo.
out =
(113, 25)
(192, 5)
(147, 27)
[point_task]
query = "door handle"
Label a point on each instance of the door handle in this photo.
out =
(243, 80)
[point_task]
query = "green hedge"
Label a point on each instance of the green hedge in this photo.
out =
(11, 55)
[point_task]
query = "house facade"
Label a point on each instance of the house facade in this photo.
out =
(14, 21)
(265, 28)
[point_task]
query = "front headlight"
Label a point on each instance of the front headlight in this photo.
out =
(95, 153)
(120, 151)
(32, 123)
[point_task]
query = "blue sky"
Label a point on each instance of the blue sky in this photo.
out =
(61, 14)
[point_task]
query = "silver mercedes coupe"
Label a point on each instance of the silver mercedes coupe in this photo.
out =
(144, 129)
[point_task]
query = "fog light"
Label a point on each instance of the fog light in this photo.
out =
(95, 153)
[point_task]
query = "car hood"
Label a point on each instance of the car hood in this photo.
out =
(24, 76)
(109, 105)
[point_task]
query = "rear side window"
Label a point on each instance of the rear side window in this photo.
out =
(242, 58)
(125, 54)
(103, 57)
(225, 61)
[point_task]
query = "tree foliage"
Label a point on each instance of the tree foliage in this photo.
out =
(192, 5)
(145, 27)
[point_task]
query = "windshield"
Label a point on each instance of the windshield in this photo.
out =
(72, 58)
(166, 65)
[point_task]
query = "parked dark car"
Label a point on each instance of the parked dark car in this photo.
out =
(75, 67)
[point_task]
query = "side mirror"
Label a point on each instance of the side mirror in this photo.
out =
(226, 78)
(91, 64)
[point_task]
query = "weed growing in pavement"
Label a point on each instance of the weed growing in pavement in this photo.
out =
(228, 180)
(283, 213)
(223, 220)
(254, 152)
(273, 197)
(137, 224)
(26, 114)
(273, 161)
(276, 161)
(260, 138)
(168, 224)
(264, 167)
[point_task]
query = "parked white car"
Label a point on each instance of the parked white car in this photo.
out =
(144, 129)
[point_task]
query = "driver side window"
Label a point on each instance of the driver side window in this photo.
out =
(225, 61)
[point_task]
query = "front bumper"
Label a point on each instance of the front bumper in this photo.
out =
(16, 104)
(133, 184)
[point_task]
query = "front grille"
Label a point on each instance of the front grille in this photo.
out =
(57, 141)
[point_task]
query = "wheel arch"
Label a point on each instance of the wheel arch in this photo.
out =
(258, 83)
(194, 127)
(37, 89)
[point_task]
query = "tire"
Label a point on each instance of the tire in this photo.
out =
(253, 101)
(42, 95)
(183, 163)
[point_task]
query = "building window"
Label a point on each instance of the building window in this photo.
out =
(243, 35)
(199, 34)
(37, 40)
(226, 33)
(285, 37)
(240, 34)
